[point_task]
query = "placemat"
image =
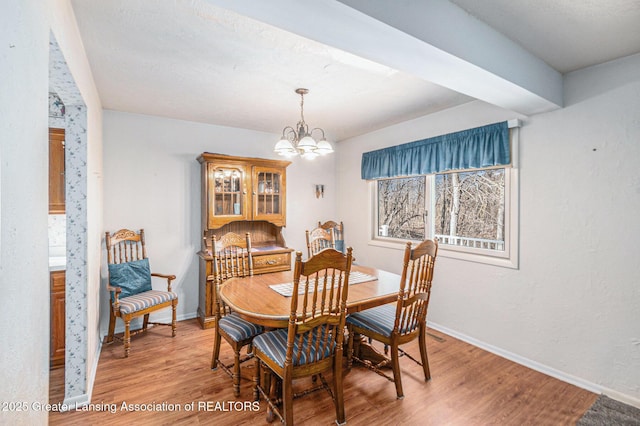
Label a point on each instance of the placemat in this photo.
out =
(286, 289)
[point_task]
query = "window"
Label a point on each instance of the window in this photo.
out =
(461, 188)
(469, 209)
(470, 212)
(401, 208)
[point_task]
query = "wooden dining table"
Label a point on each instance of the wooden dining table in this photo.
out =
(253, 299)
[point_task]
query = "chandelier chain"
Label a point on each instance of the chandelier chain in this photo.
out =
(302, 108)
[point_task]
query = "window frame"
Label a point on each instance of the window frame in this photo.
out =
(508, 258)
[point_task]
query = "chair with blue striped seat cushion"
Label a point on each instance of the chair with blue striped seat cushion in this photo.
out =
(312, 342)
(239, 329)
(147, 299)
(398, 323)
(129, 285)
(231, 258)
(379, 320)
(274, 345)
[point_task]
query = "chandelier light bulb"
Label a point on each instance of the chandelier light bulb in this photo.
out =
(323, 147)
(285, 148)
(307, 144)
(309, 155)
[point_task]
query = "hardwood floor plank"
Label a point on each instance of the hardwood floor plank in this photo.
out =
(469, 386)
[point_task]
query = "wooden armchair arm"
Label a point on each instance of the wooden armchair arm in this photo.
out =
(116, 291)
(169, 278)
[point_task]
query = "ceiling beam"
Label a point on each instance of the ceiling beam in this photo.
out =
(434, 40)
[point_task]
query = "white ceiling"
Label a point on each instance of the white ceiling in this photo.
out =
(566, 34)
(205, 61)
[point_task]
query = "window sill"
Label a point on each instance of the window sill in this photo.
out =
(445, 251)
(388, 243)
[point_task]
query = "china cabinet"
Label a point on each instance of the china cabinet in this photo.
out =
(242, 194)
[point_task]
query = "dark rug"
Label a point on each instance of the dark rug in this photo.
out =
(609, 412)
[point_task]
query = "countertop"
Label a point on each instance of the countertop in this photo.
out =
(57, 263)
(57, 258)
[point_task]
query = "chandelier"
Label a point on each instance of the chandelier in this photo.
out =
(298, 140)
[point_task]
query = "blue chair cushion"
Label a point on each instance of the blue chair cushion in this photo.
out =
(379, 319)
(132, 277)
(274, 345)
(237, 328)
(140, 301)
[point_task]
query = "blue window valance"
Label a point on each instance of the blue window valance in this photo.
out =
(480, 147)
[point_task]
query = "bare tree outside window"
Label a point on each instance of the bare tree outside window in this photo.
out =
(401, 208)
(470, 208)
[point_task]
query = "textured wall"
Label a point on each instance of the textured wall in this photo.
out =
(24, 273)
(26, 29)
(152, 181)
(571, 309)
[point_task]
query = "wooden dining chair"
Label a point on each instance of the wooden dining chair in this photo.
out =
(129, 285)
(319, 239)
(401, 322)
(312, 344)
(231, 258)
(338, 233)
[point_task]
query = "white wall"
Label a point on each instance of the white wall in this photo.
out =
(152, 181)
(24, 273)
(572, 308)
(25, 28)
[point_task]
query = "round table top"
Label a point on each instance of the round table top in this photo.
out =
(253, 299)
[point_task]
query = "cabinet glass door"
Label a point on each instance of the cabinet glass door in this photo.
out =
(228, 192)
(268, 192)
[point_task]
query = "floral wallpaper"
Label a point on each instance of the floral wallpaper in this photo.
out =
(75, 125)
(56, 111)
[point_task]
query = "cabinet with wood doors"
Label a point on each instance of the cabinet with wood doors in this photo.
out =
(57, 293)
(242, 188)
(242, 194)
(56, 171)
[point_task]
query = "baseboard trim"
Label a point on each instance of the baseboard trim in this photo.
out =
(613, 394)
(83, 400)
(75, 402)
(542, 368)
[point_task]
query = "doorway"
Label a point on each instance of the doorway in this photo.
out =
(61, 82)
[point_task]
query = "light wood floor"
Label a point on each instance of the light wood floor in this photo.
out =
(469, 386)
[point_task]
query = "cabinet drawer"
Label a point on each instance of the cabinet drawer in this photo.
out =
(265, 263)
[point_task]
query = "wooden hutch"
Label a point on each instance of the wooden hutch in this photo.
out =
(241, 194)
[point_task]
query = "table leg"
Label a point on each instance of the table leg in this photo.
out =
(366, 353)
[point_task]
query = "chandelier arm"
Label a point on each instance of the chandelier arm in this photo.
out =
(288, 131)
(318, 128)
